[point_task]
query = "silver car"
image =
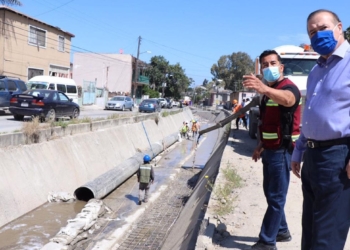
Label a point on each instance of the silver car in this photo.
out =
(120, 103)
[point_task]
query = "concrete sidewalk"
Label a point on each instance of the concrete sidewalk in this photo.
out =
(239, 229)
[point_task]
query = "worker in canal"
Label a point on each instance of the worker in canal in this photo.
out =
(145, 177)
(194, 128)
(184, 130)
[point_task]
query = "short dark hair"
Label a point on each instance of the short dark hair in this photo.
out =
(335, 16)
(269, 52)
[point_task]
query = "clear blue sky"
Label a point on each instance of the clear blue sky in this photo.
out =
(194, 33)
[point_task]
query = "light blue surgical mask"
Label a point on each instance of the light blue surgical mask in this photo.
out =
(271, 74)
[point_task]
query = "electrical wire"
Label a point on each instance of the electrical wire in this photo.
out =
(155, 43)
(103, 55)
(79, 48)
(54, 8)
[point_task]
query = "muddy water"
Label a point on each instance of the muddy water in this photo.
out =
(33, 230)
(36, 228)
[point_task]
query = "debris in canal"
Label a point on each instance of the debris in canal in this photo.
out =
(76, 230)
(60, 196)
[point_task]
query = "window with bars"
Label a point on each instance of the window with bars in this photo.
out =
(60, 43)
(34, 72)
(37, 36)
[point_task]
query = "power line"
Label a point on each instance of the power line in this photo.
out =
(98, 54)
(109, 30)
(94, 22)
(54, 8)
(180, 50)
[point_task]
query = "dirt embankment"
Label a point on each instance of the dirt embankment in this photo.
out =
(240, 228)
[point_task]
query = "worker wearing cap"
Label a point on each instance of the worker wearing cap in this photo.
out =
(145, 176)
(235, 109)
(194, 128)
(184, 130)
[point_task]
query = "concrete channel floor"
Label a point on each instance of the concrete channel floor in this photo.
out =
(145, 227)
(168, 194)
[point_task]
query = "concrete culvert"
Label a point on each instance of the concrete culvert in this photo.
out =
(84, 194)
(107, 182)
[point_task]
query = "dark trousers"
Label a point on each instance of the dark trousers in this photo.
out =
(276, 171)
(243, 119)
(144, 187)
(326, 191)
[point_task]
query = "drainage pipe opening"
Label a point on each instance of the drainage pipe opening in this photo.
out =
(84, 194)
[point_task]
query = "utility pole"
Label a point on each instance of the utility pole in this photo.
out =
(163, 87)
(136, 68)
(107, 77)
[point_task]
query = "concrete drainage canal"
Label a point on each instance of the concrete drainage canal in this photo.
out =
(112, 218)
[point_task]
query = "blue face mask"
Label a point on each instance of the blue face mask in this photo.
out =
(271, 74)
(323, 42)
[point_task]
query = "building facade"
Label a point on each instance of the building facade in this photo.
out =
(113, 72)
(30, 47)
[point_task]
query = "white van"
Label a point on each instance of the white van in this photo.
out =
(65, 85)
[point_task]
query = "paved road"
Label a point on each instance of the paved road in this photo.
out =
(8, 124)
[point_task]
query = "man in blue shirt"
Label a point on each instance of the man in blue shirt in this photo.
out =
(325, 138)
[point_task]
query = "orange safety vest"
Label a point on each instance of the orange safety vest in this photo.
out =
(194, 127)
(237, 108)
(277, 124)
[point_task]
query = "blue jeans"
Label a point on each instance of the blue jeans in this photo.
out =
(276, 171)
(326, 191)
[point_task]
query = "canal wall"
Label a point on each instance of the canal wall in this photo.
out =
(66, 158)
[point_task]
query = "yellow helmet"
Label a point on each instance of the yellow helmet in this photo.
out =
(234, 101)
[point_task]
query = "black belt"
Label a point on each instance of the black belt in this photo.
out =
(318, 144)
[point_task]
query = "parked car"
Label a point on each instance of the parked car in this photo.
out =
(162, 102)
(149, 105)
(45, 104)
(8, 86)
(169, 103)
(120, 103)
(176, 104)
(219, 107)
(65, 85)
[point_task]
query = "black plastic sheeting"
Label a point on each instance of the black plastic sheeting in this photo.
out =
(185, 231)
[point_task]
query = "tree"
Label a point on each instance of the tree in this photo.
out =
(205, 82)
(150, 92)
(347, 34)
(179, 83)
(160, 71)
(157, 71)
(231, 68)
(10, 2)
